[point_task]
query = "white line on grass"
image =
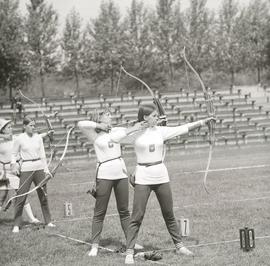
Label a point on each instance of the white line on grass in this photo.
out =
(84, 218)
(221, 201)
(103, 248)
(203, 245)
(201, 171)
(176, 207)
(82, 183)
(229, 169)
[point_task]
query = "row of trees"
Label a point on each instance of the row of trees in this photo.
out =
(147, 41)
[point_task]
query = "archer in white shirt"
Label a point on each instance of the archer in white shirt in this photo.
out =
(29, 147)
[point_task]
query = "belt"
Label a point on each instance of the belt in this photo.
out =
(93, 191)
(4, 163)
(99, 163)
(150, 164)
(31, 160)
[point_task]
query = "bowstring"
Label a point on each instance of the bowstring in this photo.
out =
(197, 131)
(56, 146)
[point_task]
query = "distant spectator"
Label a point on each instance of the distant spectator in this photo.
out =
(130, 95)
(231, 88)
(44, 101)
(73, 96)
(17, 103)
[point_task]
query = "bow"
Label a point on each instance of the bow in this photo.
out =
(210, 112)
(46, 117)
(162, 115)
(48, 175)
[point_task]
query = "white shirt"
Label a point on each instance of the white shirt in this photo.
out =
(149, 148)
(5, 153)
(106, 149)
(29, 148)
(5, 150)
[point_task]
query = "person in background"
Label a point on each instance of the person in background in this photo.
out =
(111, 173)
(18, 105)
(29, 148)
(8, 180)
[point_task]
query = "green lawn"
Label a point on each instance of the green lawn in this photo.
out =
(239, 196)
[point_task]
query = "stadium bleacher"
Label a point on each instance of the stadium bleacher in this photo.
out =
(240, 120)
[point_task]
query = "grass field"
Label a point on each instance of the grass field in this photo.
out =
(239, 196)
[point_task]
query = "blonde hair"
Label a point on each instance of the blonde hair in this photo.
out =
(95, 116)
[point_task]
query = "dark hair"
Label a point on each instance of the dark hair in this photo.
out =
(146, 109)
(27, 120)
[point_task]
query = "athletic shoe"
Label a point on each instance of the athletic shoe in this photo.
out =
(138, 247)
(184, 251)
(129, 259)
(35, 221)
(15, 229)
(51, 224)
(93, 252)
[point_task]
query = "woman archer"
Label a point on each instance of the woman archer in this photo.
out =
(8, 180)
(151, 175)
(111, 173)
(28, 146)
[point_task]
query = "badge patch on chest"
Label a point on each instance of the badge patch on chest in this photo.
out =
(110, 144)
(152, 148)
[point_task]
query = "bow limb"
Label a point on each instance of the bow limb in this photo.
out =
(47, 120)
(148, 88)
(183, 54)
(42, 183)
(210, 112)
(161, 110)
(63, 154)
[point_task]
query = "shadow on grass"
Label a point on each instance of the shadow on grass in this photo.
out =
(6, 222)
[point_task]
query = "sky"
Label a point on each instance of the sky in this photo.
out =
(90, 8)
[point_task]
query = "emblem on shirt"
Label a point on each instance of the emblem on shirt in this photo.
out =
(110, 144)
(152, 148)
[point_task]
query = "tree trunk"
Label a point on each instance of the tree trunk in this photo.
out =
(41, 75)
(76, 82)
(258, 74)
(170, 67)
(11, 96)
(112, 80)
(232, 76)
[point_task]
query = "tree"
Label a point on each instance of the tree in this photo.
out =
(256, 34)
(105, 48)
(230, 51)
(41, 27)
(198, 38)
(72, 46)
(141, 59)
(14, 65)
(167, 31)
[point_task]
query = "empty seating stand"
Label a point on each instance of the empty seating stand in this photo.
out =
(239, 120)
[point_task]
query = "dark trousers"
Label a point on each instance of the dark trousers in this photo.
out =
(104, 188)
(141, 196)
(26, 180)
(3, 196)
